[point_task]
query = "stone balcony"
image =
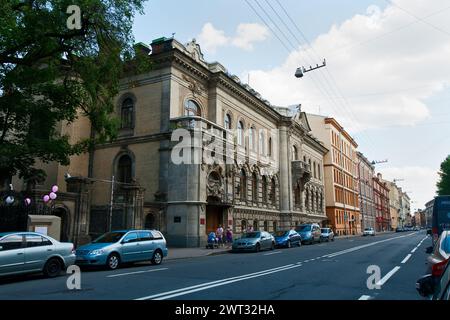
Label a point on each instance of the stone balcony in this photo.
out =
(301, 172)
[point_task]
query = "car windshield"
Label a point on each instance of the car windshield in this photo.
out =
(303, 228)
(110, 237)
(281, 233)
(324, 230)
(251, 235)
(368, 229)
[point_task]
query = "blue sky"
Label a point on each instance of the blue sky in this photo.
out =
(387, 80)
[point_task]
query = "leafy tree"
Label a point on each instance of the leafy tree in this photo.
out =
(49, 73)
(443, 185)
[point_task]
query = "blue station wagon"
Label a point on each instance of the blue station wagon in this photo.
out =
(123, 246)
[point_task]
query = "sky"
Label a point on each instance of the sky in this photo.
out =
(386, 79)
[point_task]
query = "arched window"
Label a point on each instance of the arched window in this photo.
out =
(307, 199)
(317, 202)
(319, 174)
(127, 114)
(255, 225)
(243, 185)
(273, 192)
(240, 133)
(191, 108)
(255, 187)
(264, 189)
(275, 226)
(261, 143)
(294, 153)
(227, 122)
(297, 195)
(315, 172)
(251, 139)
(124, 169)
(270, 147)
(266, 226)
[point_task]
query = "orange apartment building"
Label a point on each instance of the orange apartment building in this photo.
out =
(341, 175)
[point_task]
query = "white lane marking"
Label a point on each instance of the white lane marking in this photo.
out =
(136, 272)
(363, 246)
(414, 250)
(388, 276)
(268, 254)
(407, 258)
(364, 297)
(213, 284)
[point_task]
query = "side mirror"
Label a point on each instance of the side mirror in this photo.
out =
(425, 285)
(429, 250)
(429, 232)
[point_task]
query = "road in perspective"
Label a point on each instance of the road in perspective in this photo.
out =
(325, 271)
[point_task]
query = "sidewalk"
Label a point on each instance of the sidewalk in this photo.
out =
(184, 253)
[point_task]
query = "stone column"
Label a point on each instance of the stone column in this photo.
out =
(284, 179)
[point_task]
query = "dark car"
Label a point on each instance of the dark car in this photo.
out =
(287, 238)
(254, 241)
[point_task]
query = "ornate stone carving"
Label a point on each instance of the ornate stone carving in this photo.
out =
(194, 86)
(215, 185)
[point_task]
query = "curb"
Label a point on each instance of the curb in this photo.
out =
(213, 253)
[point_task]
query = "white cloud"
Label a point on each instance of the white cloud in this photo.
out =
(385, 62)
(420, 180)
(211, 38)
(247, 34)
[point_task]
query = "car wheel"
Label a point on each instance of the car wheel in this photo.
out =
(289, 244)
(52, 268)
(272, 247)
(299, 243)
(157, 257)
(257, 247)
(113, 261)
(332, 239)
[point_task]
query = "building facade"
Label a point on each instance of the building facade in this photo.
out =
(196, 149)
(394, 204)
(341, 175)
(405, 208)
(429, 213)
(366, 192)
(381, 195)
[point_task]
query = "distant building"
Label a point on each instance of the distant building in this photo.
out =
(381, 195)
(366, 192)
(405, 208)
(428, 212)
(394, 204)
(341, 175)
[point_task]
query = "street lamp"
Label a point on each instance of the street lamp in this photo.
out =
(299, 73)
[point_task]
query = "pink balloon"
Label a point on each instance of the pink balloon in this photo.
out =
(46, 198)
(55, 189)
(53, 196)
(27, 201)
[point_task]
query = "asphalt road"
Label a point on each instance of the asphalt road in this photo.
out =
(327, 271)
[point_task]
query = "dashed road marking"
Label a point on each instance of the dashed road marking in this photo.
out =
(135, 272)
(388, 276)
(406, 258)
(364, 297)
(270, 253)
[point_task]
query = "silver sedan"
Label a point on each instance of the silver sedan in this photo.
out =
(29, 252)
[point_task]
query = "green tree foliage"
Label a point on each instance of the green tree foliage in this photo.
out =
(443, 185)
(49, 73)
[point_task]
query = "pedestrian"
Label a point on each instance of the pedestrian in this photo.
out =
(219, 234)
(229, 236)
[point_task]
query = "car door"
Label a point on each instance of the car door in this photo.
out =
(12, 256)
(37, 251)
(293, 236)
(131, 247)
(268, 240)
(146, 244)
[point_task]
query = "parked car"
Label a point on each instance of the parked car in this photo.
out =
(327, 234)
(123, 246)
(369, 232)
(399, 229)
(287, 238)
(254, 241)
(310, 233)
(440, 255)
(435, 289)
(30, 252)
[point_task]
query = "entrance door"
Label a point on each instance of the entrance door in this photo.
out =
(214, 218)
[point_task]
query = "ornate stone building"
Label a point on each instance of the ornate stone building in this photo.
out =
(381, 195)
(244, 162)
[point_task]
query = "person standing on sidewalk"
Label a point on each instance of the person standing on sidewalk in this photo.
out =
(229, 236)
(219, 234)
